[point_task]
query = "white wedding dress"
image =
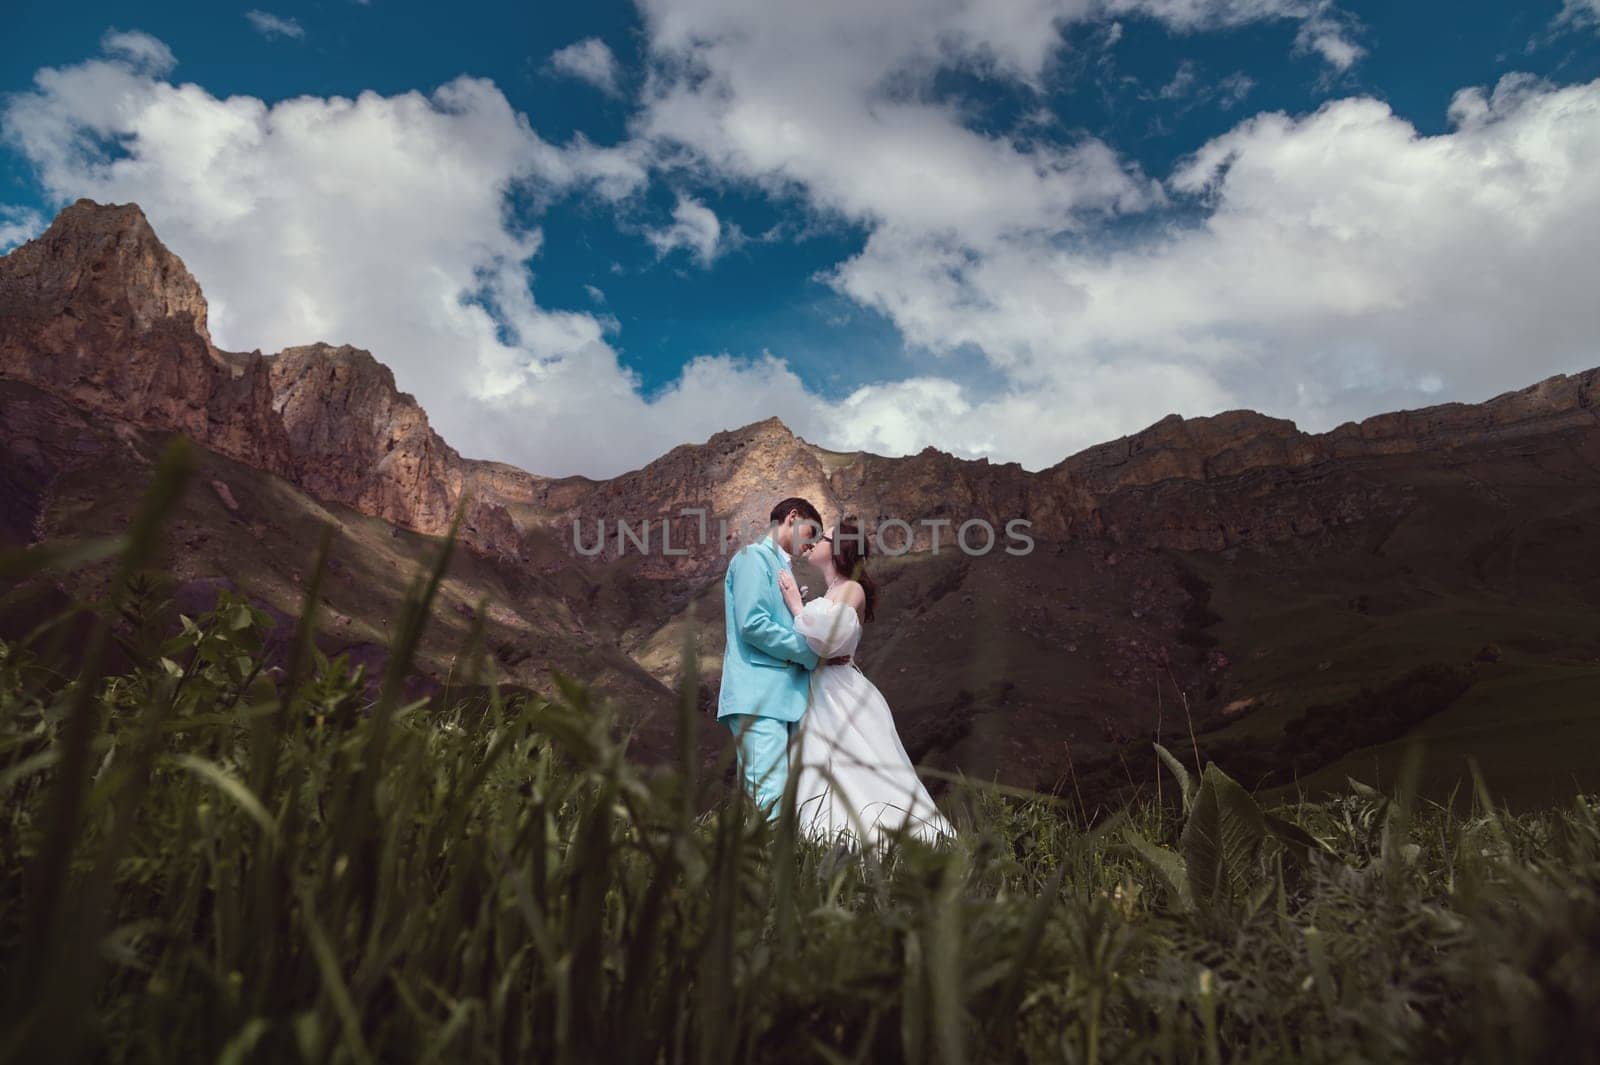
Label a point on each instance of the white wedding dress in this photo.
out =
(854, 778)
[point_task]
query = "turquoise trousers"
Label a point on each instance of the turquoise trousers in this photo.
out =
(763, 746)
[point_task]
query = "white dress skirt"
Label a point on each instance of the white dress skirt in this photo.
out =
(854, 779)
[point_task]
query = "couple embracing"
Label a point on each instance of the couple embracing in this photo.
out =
(794, 698)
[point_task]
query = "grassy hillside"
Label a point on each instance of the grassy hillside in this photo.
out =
(1498, 577)
(237, 528)
(1533, 730)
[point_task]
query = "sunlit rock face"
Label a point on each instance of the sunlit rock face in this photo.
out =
(98, 311)
(101, 313)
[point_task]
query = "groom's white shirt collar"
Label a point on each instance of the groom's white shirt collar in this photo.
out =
(783, 556)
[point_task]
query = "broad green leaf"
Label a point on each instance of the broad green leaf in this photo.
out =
(1293, 836)
(1167, 864)
(1220, 840)
(1185, 781)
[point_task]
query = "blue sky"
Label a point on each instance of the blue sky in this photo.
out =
(935, 223)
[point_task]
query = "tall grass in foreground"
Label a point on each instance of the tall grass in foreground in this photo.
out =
(202, 859)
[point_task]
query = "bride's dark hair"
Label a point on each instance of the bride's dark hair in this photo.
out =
(850, 559)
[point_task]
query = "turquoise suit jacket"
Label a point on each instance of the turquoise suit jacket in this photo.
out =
(766, 667)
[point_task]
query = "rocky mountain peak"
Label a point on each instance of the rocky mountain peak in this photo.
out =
(340, 377)
(767, 430)
(103, 260)
(99, 311)
(1561, 402)
(1192, 448)
(359, 439)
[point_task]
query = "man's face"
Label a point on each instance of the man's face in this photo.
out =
(805, 536)
(796, 535)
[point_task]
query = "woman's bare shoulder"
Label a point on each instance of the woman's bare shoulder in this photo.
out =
(849, 592)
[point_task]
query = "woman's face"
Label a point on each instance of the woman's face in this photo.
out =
(822, 552)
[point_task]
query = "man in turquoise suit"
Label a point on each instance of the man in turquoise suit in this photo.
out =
(766, 668)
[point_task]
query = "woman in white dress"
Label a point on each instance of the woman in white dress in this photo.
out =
(853, 777)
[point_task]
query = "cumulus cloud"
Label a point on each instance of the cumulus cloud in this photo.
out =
(334, 219)
(694, 227)
(823, 99)
(1344, 265)
(589, 60)
(269, 25)
(835, 100)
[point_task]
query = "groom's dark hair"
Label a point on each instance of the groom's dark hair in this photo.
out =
(807, 511)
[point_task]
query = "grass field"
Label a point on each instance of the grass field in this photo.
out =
(203, 860)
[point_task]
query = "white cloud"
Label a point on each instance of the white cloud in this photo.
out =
(18, 225)
(1579, 14)
(139, 50)
(824, 98)
(835, 99)
(1232, 89)
(1345, 265)
(1182, 82)
(596, 296)
(694, 226)
(1325, 30)
(269, 25)
(1188, 89)
(1331, 39)
(589, 60)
